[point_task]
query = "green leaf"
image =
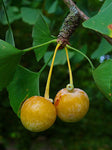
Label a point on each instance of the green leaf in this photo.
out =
(60, 57)
(53, 7)
(13, 14)
(29, 15)
(48, 4)
(9, 34)
(102, 22)
(106, 3)
(9, 37)
(104, 48)
(24, 85)
(9, 58)
(41, 34)
(103, 78)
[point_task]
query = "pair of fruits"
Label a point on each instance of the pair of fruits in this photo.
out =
(70, 105)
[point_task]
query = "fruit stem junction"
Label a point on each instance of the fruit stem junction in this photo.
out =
(46, 95)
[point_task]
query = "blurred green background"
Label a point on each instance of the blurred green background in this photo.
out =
(91, 133)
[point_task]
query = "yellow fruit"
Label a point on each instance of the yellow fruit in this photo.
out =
(71, 106)
(37, 114)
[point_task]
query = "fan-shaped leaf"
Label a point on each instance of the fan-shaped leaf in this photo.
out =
(9, 58)
(102, 22)
(29, 15)
(41, 34)
(24, 85)
(103, 49)
(103, 78)
(106, 3)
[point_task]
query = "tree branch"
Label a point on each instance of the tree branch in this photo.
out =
(84, 17)
(69, 25)
(70, 3)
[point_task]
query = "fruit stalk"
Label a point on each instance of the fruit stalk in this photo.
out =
(46, 95)
(90, 62)
(69, 67)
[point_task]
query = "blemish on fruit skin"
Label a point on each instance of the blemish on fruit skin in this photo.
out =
(57, 102)
(33, 114)
(110, 26)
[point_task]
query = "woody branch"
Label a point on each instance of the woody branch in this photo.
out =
(66, 32)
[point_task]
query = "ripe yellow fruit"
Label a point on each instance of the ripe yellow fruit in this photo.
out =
(71, 106)
(37, 114)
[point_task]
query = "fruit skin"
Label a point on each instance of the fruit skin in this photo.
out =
(37, 114)
(71, 106)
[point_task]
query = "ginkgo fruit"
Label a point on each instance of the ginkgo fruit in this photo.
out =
(37, 114)
(71, 106)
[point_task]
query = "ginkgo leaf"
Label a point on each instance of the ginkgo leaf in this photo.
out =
(29, 15)
(103, 78)
(103, 48)
(24, 85)
(102, 22)
(9, 59)
(41, 34)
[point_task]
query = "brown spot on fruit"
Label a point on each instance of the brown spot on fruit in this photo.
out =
(71, 106)
(56, 102)
(110, 26)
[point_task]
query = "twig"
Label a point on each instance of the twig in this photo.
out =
(69, 25)
(70, 3)
(84, 17)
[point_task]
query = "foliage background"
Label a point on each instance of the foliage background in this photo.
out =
(91, 133)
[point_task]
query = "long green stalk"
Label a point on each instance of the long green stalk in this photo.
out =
(34, 47)
(91, 64)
